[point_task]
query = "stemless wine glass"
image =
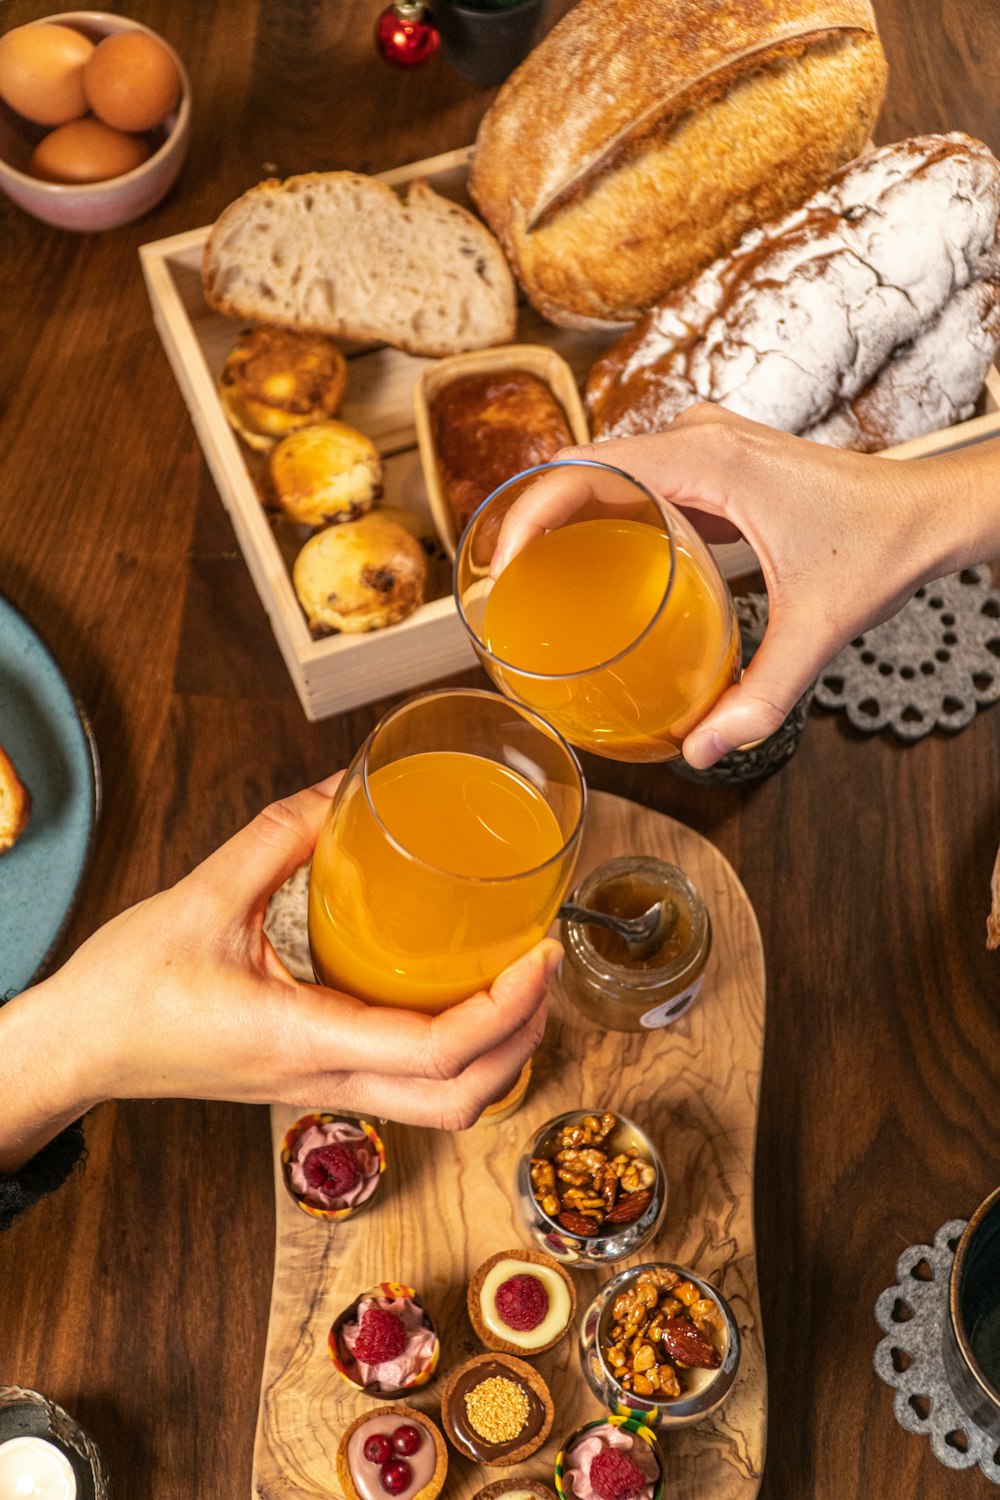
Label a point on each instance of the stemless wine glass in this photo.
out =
(610, 618)
(446, 851)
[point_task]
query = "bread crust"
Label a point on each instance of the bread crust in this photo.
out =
(597, 191)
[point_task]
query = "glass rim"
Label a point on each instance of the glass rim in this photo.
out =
(537, 722)
(666, 512)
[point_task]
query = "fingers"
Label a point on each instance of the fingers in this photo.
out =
(783, 666)
(337, 1032)
(247, 870)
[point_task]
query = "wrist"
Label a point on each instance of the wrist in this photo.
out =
(959, 497)
(43, 1082)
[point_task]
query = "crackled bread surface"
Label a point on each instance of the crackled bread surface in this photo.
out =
(869, 314)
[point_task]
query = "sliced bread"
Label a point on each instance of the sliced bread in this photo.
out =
(341, 254)
(15, 803)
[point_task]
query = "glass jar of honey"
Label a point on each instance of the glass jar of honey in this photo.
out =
(603, 974)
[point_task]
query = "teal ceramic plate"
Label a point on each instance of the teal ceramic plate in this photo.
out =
(47, 736)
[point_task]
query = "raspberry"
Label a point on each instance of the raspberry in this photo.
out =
(406, 1440)
(381, 1337)
(614, 1476)
(377, 1448)
(395, 1476)
(522, 1302)
(333, 1170)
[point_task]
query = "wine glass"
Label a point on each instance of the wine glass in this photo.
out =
(446, 851)
(608, 615)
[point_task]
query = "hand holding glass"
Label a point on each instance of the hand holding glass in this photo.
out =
(446, 852)
(602, 608)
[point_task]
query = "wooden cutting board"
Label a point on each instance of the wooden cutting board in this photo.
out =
(446, 1204)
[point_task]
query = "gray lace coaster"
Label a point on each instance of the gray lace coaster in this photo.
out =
(909, 1358)
(929, 667)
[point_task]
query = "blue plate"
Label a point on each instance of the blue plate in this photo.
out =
(47, 736)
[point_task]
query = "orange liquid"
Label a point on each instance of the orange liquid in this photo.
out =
(576, 597)
(424, 935)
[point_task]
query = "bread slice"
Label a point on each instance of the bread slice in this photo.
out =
(641, 139)
(15, 803)
(341, 254)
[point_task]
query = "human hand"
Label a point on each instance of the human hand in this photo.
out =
(842, 538)
(184, 996)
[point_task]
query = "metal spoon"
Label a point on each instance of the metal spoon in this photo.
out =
(643, 934)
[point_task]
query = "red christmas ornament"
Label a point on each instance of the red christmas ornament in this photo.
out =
(403, 37)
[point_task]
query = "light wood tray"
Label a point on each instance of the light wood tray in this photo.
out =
(446, 1205)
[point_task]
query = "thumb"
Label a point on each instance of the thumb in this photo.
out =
(249, 867)
(758, 704)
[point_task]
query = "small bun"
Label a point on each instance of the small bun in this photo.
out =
(275, 381)
(360, 576)
(325, 473)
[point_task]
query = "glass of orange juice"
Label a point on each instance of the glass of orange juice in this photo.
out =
(610, 617)
(446, 851)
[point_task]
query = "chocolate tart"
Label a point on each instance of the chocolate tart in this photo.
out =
(492, 1409)
(516, 1489)
(524, 1345)
(392, 1416)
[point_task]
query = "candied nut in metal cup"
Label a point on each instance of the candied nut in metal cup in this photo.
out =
(707, 1388)
(575, 1206)
(628, 1422)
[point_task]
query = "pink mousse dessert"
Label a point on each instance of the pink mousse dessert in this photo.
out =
(390, 1341)
(334, 1166)
(610, 1463)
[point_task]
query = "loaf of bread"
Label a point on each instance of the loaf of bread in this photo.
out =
(15, 803)
(865, 317)
(642, 138)
(341, 254)
(488, 427)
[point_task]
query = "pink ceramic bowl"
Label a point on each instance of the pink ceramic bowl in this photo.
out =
(94, 205)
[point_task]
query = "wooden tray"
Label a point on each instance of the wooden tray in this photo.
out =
(342, 671)
(446, 1204)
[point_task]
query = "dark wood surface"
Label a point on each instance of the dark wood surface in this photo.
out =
(138, 1295)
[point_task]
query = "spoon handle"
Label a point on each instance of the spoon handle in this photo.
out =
(634, 928)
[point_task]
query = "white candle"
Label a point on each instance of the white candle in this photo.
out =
(33, 1469)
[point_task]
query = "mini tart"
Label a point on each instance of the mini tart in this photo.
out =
(345, 1364)
(470, 1377)
(288, 1149)
(492, 1273)
(632, 1423)
(503, 1108)
(402, 1414)
(516, 1489)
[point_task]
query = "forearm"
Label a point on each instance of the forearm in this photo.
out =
(961, 494)
(42, 1089)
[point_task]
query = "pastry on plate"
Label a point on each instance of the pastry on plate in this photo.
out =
(395, 1451)
(360, 576)
(275, 381)
(325, 473)
(15, 803)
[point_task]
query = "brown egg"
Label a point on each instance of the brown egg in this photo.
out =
(41, 72)
(87, 151)
(131, 81)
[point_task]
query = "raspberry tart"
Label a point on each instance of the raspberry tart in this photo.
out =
(385, 1342)
(614, 1458)
(331, 1166)
(521, 1302)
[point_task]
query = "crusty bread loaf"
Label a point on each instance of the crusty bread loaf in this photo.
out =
(642, 138)
(15, 803)
(861, 319)
(342, 254)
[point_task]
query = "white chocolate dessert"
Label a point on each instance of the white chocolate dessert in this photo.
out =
(521, 1302)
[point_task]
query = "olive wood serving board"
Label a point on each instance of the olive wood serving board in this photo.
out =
(446, 1204)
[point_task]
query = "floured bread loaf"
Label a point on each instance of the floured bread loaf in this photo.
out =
(642, 138)
(865, 317)
(339, 253)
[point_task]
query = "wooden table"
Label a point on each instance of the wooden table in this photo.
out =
(138, 1295)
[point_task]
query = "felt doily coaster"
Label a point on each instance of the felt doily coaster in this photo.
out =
(929, 667)
(909, 1358)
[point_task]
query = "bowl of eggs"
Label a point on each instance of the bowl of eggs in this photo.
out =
(94, 119)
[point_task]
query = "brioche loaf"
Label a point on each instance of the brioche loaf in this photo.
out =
(339, 253)
(866, 316)
(642, 138)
